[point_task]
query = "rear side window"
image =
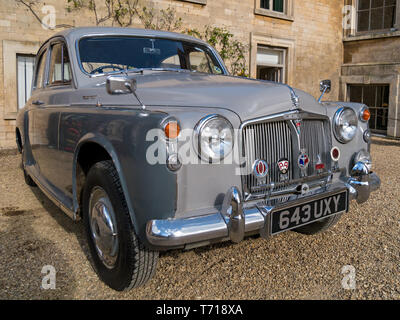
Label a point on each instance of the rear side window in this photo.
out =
(40, 70)
(60, 67)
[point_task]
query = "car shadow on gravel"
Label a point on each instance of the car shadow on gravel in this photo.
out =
(386, 142)
(23, 255)
(64, 221)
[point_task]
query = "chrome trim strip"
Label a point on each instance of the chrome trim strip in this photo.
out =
(287, 115)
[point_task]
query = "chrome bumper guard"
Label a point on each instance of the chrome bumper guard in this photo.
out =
(362, 183)
(235, 220)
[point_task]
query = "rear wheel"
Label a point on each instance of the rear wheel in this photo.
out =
(319, 226)
(118, 256)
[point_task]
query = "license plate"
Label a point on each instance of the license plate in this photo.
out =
(305, 213)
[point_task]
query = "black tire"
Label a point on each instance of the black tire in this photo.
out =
(319, 226)
(27, 177)
(135, 264)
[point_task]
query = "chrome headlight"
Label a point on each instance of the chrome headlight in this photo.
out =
(214, 138)
(345, 124)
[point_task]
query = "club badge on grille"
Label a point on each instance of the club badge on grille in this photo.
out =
(283, 166)
(260, 169)
(303, 161)
(297, 123)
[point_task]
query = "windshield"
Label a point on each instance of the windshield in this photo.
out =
(109, 54)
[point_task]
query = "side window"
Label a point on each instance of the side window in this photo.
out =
(40, 70)
(60, 68)
(171, 62)
(201, 62)
(67, 66)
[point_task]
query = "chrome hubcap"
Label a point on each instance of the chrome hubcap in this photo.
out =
(103, 227)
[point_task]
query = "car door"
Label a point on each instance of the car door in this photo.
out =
(53, 99)
(32, 140)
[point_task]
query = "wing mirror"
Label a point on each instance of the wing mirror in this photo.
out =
(324, 87)
(120, 85)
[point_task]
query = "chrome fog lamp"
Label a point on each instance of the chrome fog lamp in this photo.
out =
(365, 158)
(345, 124)
(214, 137)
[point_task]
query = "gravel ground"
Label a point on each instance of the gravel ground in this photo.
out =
(35, 233)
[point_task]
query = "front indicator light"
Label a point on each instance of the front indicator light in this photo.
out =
(365, 114)
(172, 129)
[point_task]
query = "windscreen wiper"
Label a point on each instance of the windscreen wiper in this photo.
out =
(123, 71)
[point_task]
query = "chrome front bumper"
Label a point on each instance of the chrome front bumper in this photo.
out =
(235, 219)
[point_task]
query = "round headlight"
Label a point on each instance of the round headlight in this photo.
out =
(214, 138)
(345, 124)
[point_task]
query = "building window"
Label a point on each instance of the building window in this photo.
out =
(274, 5)
(376, 97)
(271, 63)
(373, 15)
(204, 2)
(25, 65)
(281, 9)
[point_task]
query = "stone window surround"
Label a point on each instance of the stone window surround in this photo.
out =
(393, 80)
(353, 35)
(10, 51)
(202, 2)
(268, 40)
(287, 15)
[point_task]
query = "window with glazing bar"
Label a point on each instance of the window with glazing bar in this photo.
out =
(375, 15)
(274, 5)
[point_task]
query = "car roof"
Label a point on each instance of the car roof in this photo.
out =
(73, 34)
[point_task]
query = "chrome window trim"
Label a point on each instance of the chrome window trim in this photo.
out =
(212, 50)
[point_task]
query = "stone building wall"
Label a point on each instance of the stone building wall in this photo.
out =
(373, 58)
(311, 32)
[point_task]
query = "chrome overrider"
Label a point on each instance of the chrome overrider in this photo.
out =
(237, 218)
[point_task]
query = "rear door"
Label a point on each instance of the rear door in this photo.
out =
(53, 99)
(32, 140)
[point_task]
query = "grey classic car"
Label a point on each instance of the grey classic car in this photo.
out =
(145, 137)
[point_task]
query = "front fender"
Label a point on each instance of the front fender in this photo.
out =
(149, 189)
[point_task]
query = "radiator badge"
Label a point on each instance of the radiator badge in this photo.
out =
(260, 169)
(303, 160)
(297, 123)
(320, 166)
(283, 166)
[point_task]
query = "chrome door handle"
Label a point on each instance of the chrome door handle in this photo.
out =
(37, 102)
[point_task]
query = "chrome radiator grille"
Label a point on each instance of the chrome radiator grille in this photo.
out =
(273, 141)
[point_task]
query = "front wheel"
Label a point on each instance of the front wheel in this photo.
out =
(118, 256)
(319, 226)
